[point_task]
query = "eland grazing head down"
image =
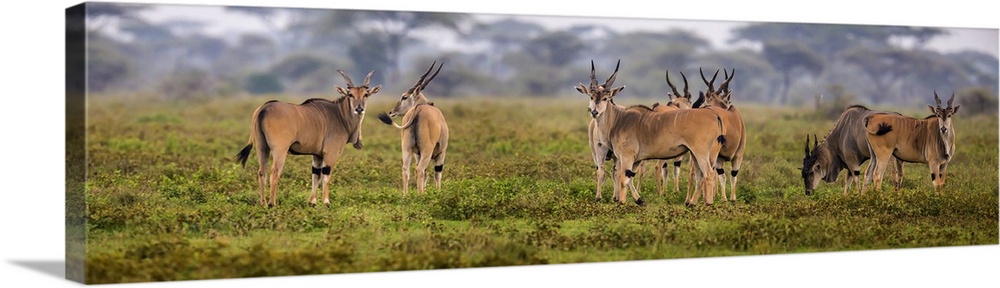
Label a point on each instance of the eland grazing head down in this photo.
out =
(845, 147)
(317, 127)
(813, 169)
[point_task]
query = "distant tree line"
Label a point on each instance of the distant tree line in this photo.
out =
(783, 63)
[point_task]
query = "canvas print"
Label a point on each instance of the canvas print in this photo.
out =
(208, 142)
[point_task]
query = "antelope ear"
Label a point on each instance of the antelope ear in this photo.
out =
(933, 110)
(616, 90)
(374, 90)
(953, 112)
(341, 90)
(582, 89)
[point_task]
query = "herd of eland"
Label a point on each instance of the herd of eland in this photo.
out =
(708, 131)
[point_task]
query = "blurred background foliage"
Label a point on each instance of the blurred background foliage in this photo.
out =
(300, 50)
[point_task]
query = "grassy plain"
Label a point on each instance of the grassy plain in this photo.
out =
(166, 201)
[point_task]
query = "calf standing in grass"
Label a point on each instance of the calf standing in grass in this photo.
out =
(424, 132)
(317, 127)
(930, 140)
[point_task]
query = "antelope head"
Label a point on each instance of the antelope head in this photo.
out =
(812, 169)
(723, 96)
(682, 101)
(357, 96)
(600, 94)
(946, 133)
(415, 96)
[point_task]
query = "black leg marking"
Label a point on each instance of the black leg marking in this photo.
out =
(734, 172)
(316, 170)
(326, 170)
(629, 173)
(677, 164)
(720, 171)
(665, 164)
(438, 168)
(640, 202)
(857, 172)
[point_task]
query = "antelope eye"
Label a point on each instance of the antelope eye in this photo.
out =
(404, 97)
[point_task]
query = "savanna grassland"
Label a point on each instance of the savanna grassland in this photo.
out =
(167, 201)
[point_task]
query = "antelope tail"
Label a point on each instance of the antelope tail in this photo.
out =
(258, 128)
(388, 121)
(882, 129)
(244, 154)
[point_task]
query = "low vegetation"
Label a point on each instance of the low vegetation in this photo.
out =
(166, 200)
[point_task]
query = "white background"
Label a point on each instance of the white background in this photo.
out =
(32, 170)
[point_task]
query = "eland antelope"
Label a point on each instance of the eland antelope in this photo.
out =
(424, 132)
(845, 147)
(638, 133)
(930, 140)
(601, 149)
(677, 101)
(317, 127)
(721, 103)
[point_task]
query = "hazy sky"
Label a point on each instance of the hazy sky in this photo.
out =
(220, 22)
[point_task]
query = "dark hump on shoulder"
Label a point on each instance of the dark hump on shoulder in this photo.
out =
(315, 101)
(858, 107)
(639, 107)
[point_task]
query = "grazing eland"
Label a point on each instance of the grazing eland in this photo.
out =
(317, 127)
(424, 132)
(845, 147)
(930, 140)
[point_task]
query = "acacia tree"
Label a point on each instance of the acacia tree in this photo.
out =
(382, 35)
(830, 40)
(504, 37)
(649, 53)
(542, 61)
(789, 58)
